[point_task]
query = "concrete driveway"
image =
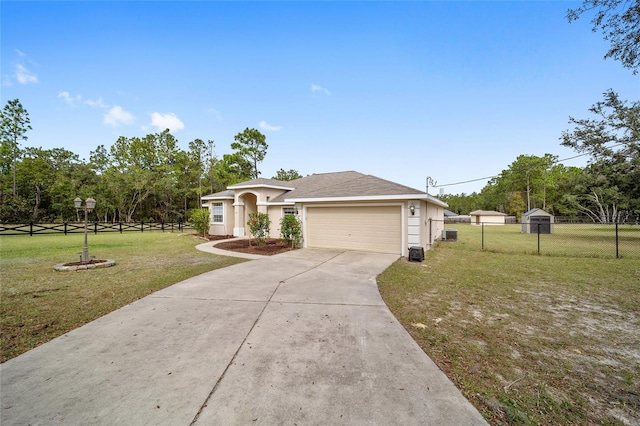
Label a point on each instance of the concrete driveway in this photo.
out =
(299, 338)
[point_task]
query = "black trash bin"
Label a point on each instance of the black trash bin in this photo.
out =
(416, 254)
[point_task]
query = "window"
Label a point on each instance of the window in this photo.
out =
(217, 212)
(288, 210)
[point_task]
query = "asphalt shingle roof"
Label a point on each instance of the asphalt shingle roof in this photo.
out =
(327, 185)
(262, 181)
(343, 184)
(222, 194)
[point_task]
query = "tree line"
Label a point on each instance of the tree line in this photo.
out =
(606, 190)
(149, 179)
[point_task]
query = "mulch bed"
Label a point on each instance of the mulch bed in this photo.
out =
(272, 246)
(91, 262)
(219, 237)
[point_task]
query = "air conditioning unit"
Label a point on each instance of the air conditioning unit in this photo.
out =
(416, 254)
(450, 235)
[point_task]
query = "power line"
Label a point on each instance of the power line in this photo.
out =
(498, 175)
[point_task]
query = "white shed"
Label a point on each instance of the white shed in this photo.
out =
(479, 217)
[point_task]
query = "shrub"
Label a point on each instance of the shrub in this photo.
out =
(259, 226)
(291, 229)
(200, 220)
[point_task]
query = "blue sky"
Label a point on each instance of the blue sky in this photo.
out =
(401, 90)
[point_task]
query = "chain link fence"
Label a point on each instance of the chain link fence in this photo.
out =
(557, 239)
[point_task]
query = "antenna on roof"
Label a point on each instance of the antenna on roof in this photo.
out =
(430, 182)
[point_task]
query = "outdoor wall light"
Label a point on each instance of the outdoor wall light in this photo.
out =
(412, 209)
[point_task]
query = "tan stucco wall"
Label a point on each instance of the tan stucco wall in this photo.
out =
(226, 228)
(275, 215)
(436, 214)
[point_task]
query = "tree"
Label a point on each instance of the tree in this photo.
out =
(259, 226)
(612, 139)
(528, 175)
(288, 175)
(616, 123)
(516, 206)
(619, 21)
(462, 203)
(14, 124)
(252, 145)
(201, 154)
(200, 220)
(524, 185)
(233, 168)
(291, 229)
(596, 195)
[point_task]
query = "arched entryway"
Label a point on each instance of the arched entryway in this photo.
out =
(246, 203)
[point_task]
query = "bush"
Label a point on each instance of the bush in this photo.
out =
(259, 226)
(200, 220)
(291, 229)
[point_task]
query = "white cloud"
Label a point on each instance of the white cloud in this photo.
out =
(266, 126)
(21, 53)
(70, 100)
(166, 121)
(319, 89)
(24, 76)
(117, 116)
(97, 103)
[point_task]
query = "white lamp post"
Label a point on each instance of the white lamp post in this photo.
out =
(90, 204)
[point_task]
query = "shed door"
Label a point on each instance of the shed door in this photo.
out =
(369, 228)
(544, 222)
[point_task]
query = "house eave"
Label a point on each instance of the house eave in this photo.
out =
(278, 203)
(222, 197)
(260, 185)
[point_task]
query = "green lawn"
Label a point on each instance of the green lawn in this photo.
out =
(528, 339)
(573, 240)
(38, 303)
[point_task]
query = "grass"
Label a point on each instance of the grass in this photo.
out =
(528, 339)
(574, 240)
(38, 304)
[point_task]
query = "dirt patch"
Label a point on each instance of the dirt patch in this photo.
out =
(272, 246)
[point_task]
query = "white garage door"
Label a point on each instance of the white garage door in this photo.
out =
(356, 228)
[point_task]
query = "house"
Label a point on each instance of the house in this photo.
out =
(537, 221)
(346, 210)
(487, 217)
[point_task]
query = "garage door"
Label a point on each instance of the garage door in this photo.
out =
(355, 228)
